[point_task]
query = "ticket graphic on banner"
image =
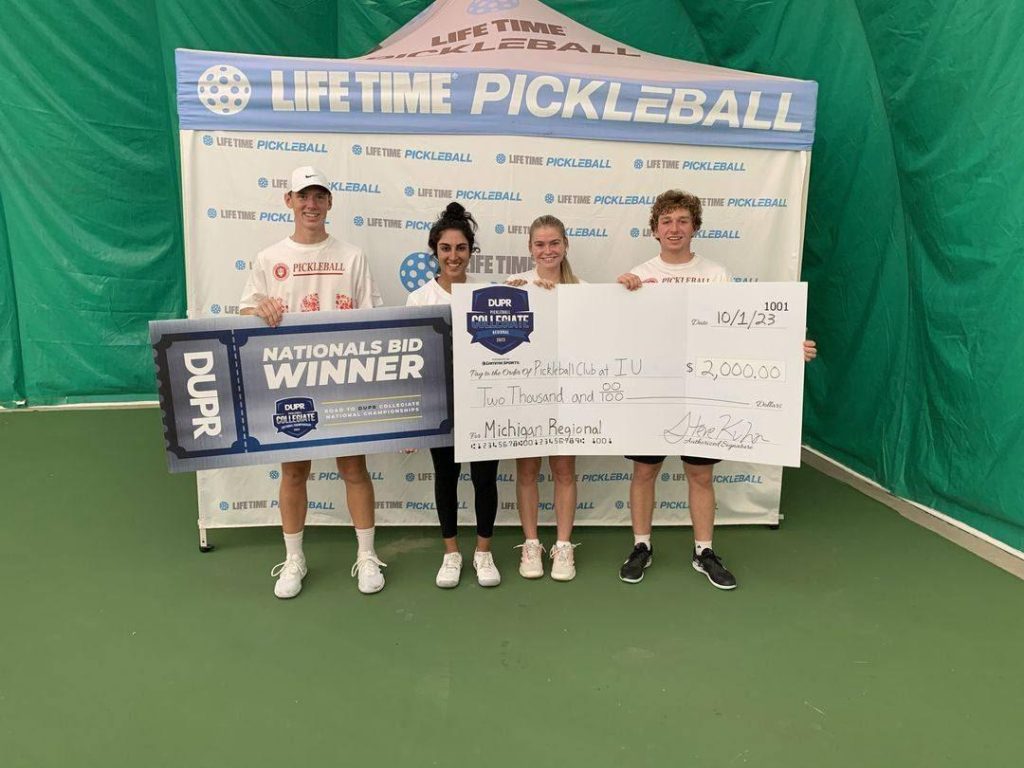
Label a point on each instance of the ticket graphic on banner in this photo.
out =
(713, 370)
(234, 391)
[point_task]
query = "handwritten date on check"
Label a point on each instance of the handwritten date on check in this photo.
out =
(713, 370)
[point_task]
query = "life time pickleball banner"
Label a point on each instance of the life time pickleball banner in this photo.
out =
(387, 192)
(234, 391)
(513, 110)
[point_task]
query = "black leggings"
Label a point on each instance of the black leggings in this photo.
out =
(446, 492)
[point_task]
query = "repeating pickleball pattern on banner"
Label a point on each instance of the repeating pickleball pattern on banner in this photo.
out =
(387, 191)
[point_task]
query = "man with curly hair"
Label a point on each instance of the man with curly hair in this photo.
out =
(675, 218)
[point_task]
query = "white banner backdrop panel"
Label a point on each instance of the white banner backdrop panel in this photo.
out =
(395, 160)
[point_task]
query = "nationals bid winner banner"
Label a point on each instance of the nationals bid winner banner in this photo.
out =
(234, 391)
(513, 110)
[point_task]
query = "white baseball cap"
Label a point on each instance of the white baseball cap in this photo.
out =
(308, 176)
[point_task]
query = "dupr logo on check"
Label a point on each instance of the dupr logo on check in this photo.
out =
(501, 319)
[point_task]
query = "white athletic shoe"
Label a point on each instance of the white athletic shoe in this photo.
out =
(531, 563)
(486, 571)
(563, 564)
(450, 571)
(367, 569)
(289, 576)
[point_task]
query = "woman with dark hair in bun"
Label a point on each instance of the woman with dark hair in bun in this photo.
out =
(452, 240)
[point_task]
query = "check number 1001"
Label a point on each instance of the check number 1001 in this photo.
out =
(716, 368)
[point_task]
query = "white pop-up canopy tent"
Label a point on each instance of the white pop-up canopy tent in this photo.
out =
(513, 110)
(529, 62)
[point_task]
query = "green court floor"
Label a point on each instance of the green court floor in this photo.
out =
(855, 639)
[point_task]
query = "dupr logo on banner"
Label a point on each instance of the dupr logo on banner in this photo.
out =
(295, 416)
(501, 319)
(224, 89)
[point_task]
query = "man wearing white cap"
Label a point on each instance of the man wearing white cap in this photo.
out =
(307, 272)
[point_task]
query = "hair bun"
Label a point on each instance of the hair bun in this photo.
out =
(456, 214)
(454, 211)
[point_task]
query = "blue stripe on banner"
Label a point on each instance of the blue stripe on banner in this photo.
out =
(239, 92)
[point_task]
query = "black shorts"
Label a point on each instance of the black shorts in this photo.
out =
(696, 460)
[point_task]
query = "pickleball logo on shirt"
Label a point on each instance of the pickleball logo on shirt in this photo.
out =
(501, 319)
(295, 416)
(281, 271)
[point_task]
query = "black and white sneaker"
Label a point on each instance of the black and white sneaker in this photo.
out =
(632, 571)
(708, 563)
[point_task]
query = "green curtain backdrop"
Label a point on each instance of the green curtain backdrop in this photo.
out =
(913, 247)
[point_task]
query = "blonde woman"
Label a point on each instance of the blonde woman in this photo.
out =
(549, 247)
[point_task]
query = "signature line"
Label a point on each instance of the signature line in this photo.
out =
(686, 397)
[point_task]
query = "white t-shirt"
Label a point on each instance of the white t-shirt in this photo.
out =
(431, 293)
(531, 277)
(696, 270)
(309, 278)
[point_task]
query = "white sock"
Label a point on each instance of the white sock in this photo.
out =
(561, 543)
(642, 539)
(365, 538)
(293, 544)
(532, 541)
(700, 546)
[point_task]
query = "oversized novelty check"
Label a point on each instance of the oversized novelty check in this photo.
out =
(712, 370)
(234, 391)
